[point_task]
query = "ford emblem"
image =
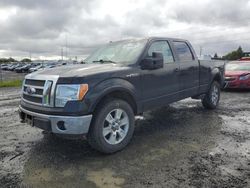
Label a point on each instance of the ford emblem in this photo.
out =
(30, 90)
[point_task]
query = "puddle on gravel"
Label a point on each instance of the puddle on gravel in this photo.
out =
(105, 178)
(49, 177)
(227, 164)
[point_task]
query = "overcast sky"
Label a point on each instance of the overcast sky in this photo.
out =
(42, 27)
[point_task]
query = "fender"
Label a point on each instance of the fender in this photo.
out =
(110, 85)
(216, 74)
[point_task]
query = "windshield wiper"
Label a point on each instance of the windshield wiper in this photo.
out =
(103, 61)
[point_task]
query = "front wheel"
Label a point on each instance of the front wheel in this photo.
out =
(212, 98)
(112, 127)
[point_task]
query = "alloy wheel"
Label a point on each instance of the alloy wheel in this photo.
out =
(116, 126)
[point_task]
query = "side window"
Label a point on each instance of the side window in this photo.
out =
(183, 51)
(162, 47)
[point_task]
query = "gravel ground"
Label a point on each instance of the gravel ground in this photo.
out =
(181, 145)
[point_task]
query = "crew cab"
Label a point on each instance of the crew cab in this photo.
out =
(100, 98)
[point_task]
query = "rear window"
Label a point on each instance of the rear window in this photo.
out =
(183, 51)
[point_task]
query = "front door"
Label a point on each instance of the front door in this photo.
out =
(160, 86)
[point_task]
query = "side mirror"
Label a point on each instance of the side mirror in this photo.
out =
(154, 62)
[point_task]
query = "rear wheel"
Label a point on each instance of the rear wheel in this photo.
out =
(112, 127)
(212, 98)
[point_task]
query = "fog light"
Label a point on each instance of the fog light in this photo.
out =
(60, 125)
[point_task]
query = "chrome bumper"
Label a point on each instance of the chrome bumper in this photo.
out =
(72, 125)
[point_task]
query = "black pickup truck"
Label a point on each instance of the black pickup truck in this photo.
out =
(100, 98)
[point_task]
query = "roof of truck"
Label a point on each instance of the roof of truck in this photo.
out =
(164, 38)
(151, 38)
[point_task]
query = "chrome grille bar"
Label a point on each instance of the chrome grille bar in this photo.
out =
(39, 89)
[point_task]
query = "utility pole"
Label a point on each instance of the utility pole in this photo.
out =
(30, 55)
(200, 51)
(62, 53)
(66, 47)
(1, 76)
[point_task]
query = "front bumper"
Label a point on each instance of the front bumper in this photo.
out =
(69, 125)
(237, 84)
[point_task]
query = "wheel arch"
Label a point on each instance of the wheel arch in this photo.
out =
(217, 76)
(118, 94)
(119, 89)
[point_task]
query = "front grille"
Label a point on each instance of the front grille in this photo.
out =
(33, 91)
(35, 82)
(39, 89)
(33, 99)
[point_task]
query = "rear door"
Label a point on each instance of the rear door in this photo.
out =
(189, 69)
(160, 86)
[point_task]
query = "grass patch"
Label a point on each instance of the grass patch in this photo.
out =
(11, 83)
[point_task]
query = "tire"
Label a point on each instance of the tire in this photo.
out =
(109, 133)
(212, 98)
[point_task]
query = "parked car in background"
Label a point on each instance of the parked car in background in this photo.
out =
(24, 68)
(14, 66)
(20, 67)
(8, 67)
(4, 66)
(49, 66)
(245, 59)
(36, 68)
(237, 74)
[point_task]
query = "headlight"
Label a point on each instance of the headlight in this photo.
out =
(65, 93)
(244, 77)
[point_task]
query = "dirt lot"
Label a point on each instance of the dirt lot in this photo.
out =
(182, 145)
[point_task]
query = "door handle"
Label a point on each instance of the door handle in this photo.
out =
(176, 70)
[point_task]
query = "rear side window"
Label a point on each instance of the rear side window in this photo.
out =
(162, 47)
(183, 51)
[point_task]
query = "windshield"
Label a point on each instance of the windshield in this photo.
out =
(238, 67)
(122, 52)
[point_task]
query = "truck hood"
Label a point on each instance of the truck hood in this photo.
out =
(80, 70)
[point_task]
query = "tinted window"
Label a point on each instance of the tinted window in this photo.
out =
(162, 47)
(183, 51)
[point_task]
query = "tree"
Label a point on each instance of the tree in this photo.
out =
(12, 60)
(26, 60)
(9, 60)
(240, 52)
(234, 55)
(216, 56)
